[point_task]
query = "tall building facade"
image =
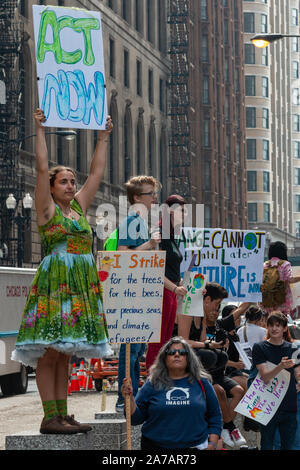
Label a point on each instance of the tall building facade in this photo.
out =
(137, 72)
(217, 115)
(272, 89)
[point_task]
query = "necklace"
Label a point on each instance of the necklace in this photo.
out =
(67, 214)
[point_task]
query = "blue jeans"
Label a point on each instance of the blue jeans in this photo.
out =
(296, 445)
(286, 423)
(136, 352)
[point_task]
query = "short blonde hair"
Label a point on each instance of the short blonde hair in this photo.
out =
(57, 169)
(134, 186)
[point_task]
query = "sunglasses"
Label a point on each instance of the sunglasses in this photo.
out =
(181, 352)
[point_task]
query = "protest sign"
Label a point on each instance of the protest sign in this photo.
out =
(70, 67)
(232, 258)
(245, 352)
(133, 283)
(261, 401)
(192, 302)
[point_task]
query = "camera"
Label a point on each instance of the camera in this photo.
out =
(221, 334)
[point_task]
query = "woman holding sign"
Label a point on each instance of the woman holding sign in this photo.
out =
(169, 225)
(63, 314)
(178, 405)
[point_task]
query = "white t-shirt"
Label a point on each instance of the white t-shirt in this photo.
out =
(255, 333)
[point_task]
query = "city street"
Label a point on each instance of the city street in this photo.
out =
(24, 412)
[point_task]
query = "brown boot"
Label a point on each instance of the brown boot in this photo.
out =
(70, 420)
(56, 425)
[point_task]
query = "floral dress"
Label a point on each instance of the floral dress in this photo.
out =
(64, 308)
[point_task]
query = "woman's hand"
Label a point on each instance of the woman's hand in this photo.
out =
(180, 290)
(126, 388)
(104, 134)
(39, 117)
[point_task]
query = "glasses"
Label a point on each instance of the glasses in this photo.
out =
(151, 193)
(181, 352)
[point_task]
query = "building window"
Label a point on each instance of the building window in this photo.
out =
(266, 182)
(207, 185)
(295, 97)
(249, 23)
(250, 117)
(296, 149)
(297, 229)
(150, 20)
(126, 10)
(297, 176)
(206, 139)
(207, 216)
(112, 58)
(249, 54)
(139, 16)
(295, 44)
(150, 86)
(203, 9)
(139, 89)
(264, 56)
(295, 69)
(266, 212)
(205, 88)
(251, 181)
(295, 21)
(252, 211)
(251, 149)
(162, 95)
(204, 48)
(126, 69)
(265, 118)
(264, 23)
(296, 123)
(297, 202)
(265, 149)
(250, 85)
(265, 87)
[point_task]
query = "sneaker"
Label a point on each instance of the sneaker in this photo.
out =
(226, 436)
(237, 438)
(120, 405)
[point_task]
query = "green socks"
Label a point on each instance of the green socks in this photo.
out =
(62, 407)
(50, 409)
(54, 408)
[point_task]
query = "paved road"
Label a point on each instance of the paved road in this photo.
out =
(24, 412)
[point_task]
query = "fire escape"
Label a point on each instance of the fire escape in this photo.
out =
(179, 98)
(11, 125)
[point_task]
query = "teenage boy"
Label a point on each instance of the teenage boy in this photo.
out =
(213, 356)
(134, 234)
(280, 352)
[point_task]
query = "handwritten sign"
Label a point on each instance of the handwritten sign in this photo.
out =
(133, 283)
(192, 302)
(232, 258)
(261, 401)
(70, 66)
(295, 288)
(245, 352)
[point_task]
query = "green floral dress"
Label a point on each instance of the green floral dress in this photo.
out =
(64, 309)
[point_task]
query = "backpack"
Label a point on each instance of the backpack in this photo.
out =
(111, 244)
(273, 288)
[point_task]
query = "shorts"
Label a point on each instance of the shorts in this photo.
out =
(231, 372)
(226, 382)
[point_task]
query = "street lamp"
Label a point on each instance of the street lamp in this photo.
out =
(22, 221)
(68, 134)
(263, 40)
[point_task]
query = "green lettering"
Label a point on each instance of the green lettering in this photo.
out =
(85, 25)
(69, 57)
(49, 18)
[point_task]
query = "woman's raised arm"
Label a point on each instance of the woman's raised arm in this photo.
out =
(88, 191)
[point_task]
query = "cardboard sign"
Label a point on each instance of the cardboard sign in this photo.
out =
(261, 401)
(232, 258)
(245, 352)
(133, 283)
(70, 67)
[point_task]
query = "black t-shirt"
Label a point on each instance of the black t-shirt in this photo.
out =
(173, 259)
(265, 351)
